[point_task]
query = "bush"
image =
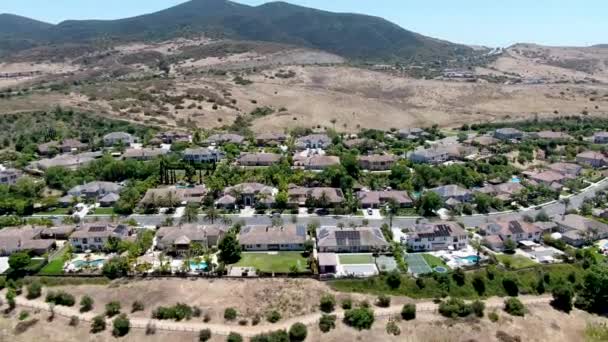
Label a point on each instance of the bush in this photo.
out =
(493, 316)
(478, 308)
(359, 318)
(34, 290)
(204, 335)
(278, 336)
(196, 311)
(230, 314)
(98, 324)
(347, 304)
(514, 307)
(115, 268)
(150, 328)
(121, 325)
(562, 298)
(393, 280)
(137, 306)
(207, 318)
(86, 304)
(273, 316)
(23, 315)
(327, 322)
(298, 332)
(328, 303)
(177, 312)
(112, 309)
(459, 276)
(511, 287)
(392, 328)
(479, 284)
(384, 301)
(454, 307)
(234, 337)
(74, 321)
(60, 298)
(408, 312)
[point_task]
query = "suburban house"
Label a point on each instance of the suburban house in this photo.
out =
(377, 199)
(94, 236)
(566, 169)
(432, 155)
(144, 154)
(225, 138)
(600, 138)
(114, 138)
(95, 190)
(287, 237)
(328, 263)
(351, 240)
(298, 196)
(316, 162)
(270, 139)
(173, 196)
(577, 230)
(313, 141)
(178, 240)
(259, 159)
(68, 161)
(549, 178)
(377, 162)
(454, 193)
(22, 239)
(109, 200)
(592, 159)
(551, 135)
(508, 134)
(62, 232)
(10, 176)
(437, 236)
(203, 155)
(173, 137)
(496, 233)
(503, 191)
(482, 140)
(252, 194)
(411, 133)
(64, 146)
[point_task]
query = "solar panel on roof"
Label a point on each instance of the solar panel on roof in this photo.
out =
(97, 229)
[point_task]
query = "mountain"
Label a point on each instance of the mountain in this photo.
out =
(350, 35)
(21, 27)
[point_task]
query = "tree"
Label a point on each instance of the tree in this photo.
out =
(204, 335)
(112, 308)
(479, 284)
(383, 301)
(116, 267)
(34, 290)
(298, 332)
(509, 246)
(191, 213)
(234, 337)
(393, 280)
(327, 322)
(593, 294)
(459, 276)
(86, 304)
(514, 307)
(121, 325)
(19, 261)
(98, 324)
(478, 308)
(510, 285)
(462, 136)
(391, 210)
(482, 202)
(408, 312)
(230, 249)
(230, 314)
(273, 316)
(429, 203)
(328, 303)
(359, 318)
(562, 297)
(478, 247)
(212, 214)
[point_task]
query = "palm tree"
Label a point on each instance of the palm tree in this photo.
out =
(566, 203)
(478, 247)
(212, 214)
(191, 213)
(391, 210)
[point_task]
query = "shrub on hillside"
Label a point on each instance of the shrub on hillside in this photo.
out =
(328, 303)
(327, 322)
(60, 298)
(298, 332)
(359, 318)
(514, 307)
(408, 312)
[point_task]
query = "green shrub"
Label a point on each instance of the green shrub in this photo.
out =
(478, 308)
(86, 304)
(121, 325)
(204, 335)
(562, 297)
(408, 312)
(359, 318)
(230, 314)
(493, 316)
(60, 298)
(23, 315)
(392, 328)
(347, 304)
(234, 337)
(112, 308)
(34, 290)
(298, 332)
(455, 307)
(273, 316)
(327, 322)
(479, 284)
(74, 321)
(393, 280)
(98, 324)
(328, 303)
(137, 306)
(511, 287)
(177, 312)
(514, 307)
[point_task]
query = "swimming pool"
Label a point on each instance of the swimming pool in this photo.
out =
(84, 263)
(469, 260)
(198, 267)
(440, 269)
(515, 179)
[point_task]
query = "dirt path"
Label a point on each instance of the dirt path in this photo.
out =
(248, 331)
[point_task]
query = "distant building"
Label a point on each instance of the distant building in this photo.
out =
(299, 195)
(433, 155)
(600, 138)
(178, 240)
(259, 159)
(508, 134)
(351, 240)
(453, 192)
(566, 169)
(503, 192)
(551, 135)
(592, 159)
(68, 161)
(377, 162)
(144, 154)
(496, 233)
(95, 189)
(10, 176)
(173, 137)
(24, 239)
(437, 236)
(411, 133)
(225, 138)
(313, 141)
(316, 162)
(578, 230)
(65, 146)
(287, 237)
(95, 236)
(270, 139)
(250, 194)
(203, 155)
(376, 199)
(114, 138)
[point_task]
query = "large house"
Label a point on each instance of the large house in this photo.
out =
(549, 178)
(178, 240)
(351, 240)
(114, 138)
(10, 176)
(498, 232)
(64, 146)
(270, 139)
(225, 138)
(266, 238)
(552, 135)
(313, 141)
(94, 236)
(203, 155)
(566, 169)
(95, 190)
(68, 161)
(453, 193)
(508, 134)
(376, 199)
(250, 194)
(577, 230)
(24, 239)
(173, 137)
(600, 138)
(503, 191)
(437, 236)
(411, 133)
(592, 159)
(144, 154)
(259, 159)
(298, 196)
(432, 155)
(377, 162)
(316, 162)
(173, 196)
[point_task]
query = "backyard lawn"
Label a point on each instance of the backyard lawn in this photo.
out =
(355, 259)
(55, 211)
(103, 211)
(434, 261)
(281, 262)
(55, 265)
(515, 261)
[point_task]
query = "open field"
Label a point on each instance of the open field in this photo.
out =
(515, 261)
(281, 262)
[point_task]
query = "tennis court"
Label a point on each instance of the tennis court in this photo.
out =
(417, 264)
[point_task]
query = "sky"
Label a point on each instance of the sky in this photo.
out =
(475, 22)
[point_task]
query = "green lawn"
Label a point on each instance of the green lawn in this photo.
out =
(56, 211)
(434, 261)
(103, 211)
(282, 262)
(55, 265)
(515, 262)
(354, 259)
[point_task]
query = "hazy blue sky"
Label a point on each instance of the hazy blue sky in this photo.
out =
(483, 22)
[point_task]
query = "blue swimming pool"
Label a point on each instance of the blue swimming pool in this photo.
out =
(515, 179)
(198, 267)
(440, 269)
(92, 263)
(469, 260)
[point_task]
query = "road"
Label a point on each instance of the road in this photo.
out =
(248, 331)
(553, 209)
